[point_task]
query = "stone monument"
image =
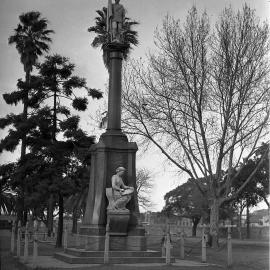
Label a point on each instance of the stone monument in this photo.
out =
(111, 152)
(112, 197)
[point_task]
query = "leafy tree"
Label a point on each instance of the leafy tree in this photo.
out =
(257, 189)
(130, 36)
(7, 198)
(31, 39)
(203, 98)
(57, 135)
(187, 201)
(76, 203)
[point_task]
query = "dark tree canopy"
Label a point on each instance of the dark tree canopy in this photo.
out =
(258, 188)
(186, 201)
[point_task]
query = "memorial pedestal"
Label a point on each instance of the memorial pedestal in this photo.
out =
(112, 151)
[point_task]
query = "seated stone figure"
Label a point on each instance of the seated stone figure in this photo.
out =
(120, 194)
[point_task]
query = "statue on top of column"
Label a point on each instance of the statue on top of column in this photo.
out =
(115, 20)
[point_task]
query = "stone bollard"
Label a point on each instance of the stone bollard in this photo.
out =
(229, 247)
(182, 246)
(12, 237)
(35, 246)
(26, 241)
(107, 244)
(203, 245)
(19, 240)
(163, 247)
(65, 237)
(168, 247)
(45, 234)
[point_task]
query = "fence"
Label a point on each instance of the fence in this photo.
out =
(164, 240)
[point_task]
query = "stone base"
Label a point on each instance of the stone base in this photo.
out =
(79, 256)
(96, 243)
(92, 230)
(118, 221)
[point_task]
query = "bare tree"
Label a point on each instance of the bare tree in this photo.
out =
(203, 98)
(144, 184)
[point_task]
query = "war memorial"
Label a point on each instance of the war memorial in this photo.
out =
(199, 96)
(111, 201)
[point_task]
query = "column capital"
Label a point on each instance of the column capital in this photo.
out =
(115, 47)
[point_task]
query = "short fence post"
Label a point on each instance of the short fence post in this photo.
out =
(25, 255)
(12, 237)
(168, 246)
(107, 244)
(182, 246)
(229, 247)
(65, 237)
(203, 245)
(35, 246)
(45, 236)
(19, 240)
(163, 247)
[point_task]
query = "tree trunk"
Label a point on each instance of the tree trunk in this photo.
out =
(50, 215)
(195, 222)
(21, 210)
(24, 216)
(74, 220)
(20, 206)
(248, 229)
(214, 220)
(60, 221)
(240, 224)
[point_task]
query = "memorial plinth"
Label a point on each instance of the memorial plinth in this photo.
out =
(112, 150)
(125, 237)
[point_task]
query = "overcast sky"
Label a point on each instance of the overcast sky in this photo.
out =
(70, 20)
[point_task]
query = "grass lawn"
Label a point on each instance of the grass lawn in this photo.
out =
(245, 256)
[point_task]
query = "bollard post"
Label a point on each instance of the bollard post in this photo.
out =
(168, 246)
(35, 246)
(12, 237)
(203, 245)
(163, 244)
(229, 247)
(19, 240)
(65, 237)
(107, 244)
(25, 255)
(182, 246)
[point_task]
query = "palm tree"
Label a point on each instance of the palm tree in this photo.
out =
(130, 37)
(31, 38)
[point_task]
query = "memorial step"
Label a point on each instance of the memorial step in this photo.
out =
(112, 260)
(86, 253)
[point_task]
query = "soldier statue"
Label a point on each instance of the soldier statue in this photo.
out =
(115, 20)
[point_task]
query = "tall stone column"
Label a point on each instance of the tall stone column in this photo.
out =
(113, 150)
(114, 102)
